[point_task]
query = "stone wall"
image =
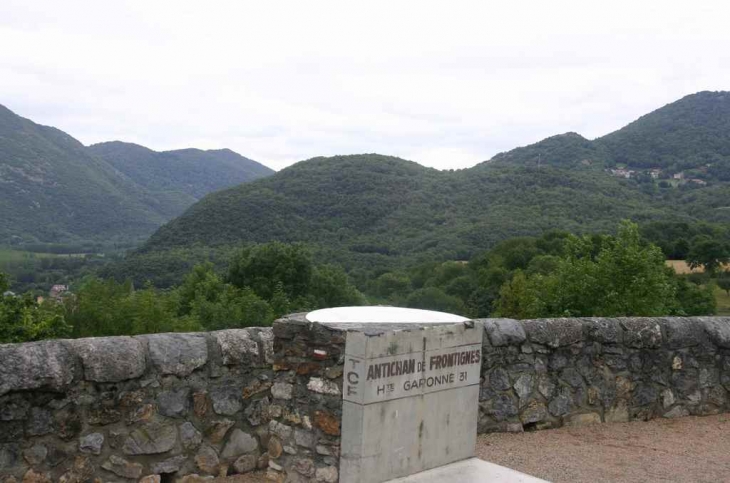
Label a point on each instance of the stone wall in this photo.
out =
(160, 407)
(305, 435)
(125, 408)
(540, 374)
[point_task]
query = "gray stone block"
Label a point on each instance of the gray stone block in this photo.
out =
(227, 400)
(170, 465)
(91, 443)
(502, 332)
(682, 332)
(282, 390)
(14, 410)
(554, 332)
(304, 438)
(534, 413)
(121, 467)
(9, 456)
(190, 437)
(677, 412)
(239, 443)
(36, 454)
(238, 346)
(245, 463)
(572, 377)
(176, 354)
(718, 328)
(111, 359)
(642, 333)
(560, 405)
(36, 365)
(502, 407)
(524, 385)
(644, 395)
(266, 335)
(604, 330)
(499, 380)
(152, 438)
(174, 403)
(39, 423)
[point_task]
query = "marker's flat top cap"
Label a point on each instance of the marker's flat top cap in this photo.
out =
(382, 315)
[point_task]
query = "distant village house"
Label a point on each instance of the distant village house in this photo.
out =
(58, 291)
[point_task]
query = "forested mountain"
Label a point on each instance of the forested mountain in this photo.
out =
(369, 211)
(563, 150)
(190, 172)
(373, 206)
(54, 189)
(689, 133)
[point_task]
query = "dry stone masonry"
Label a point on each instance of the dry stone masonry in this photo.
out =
(540, 374)
(124, 408)
(165, 407)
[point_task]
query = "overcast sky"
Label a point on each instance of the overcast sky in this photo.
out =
(447, 84)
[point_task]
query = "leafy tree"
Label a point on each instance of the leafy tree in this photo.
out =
(462, 287)
(632, 277)
(100, 308)
(201, 283)
(4, 283)
(681, 249)
(205, 299)
(263, 268)
(623, 278)
(517, 298)
(516, 252)
(693, 299)
(433, 298)
(709, 253)
(392, 284)
(152, 311)
(543, 264)
(280, 304)
(723, 281)
(232, 307)
(22, 319)
(286, 275)
(330, 287)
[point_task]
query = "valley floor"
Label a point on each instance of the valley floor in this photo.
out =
(691, 449)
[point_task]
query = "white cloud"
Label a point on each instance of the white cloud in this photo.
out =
(447, 84)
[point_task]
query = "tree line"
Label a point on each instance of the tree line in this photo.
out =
(555, 275)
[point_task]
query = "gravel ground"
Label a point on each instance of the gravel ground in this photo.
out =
(691, 449)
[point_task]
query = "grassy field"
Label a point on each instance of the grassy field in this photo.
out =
(723, 302)
(681, 267)
(8, 256)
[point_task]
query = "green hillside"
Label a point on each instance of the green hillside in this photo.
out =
(191, 173)
(55, 190)
(563, 150)
(685, 134)
(369, 211)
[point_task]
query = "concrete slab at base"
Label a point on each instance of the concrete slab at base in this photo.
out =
(472, 470)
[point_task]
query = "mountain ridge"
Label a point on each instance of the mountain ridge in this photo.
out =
(369, 210)
(53, 189)
(194, 171)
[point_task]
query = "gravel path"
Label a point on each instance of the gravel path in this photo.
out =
(691, 449)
